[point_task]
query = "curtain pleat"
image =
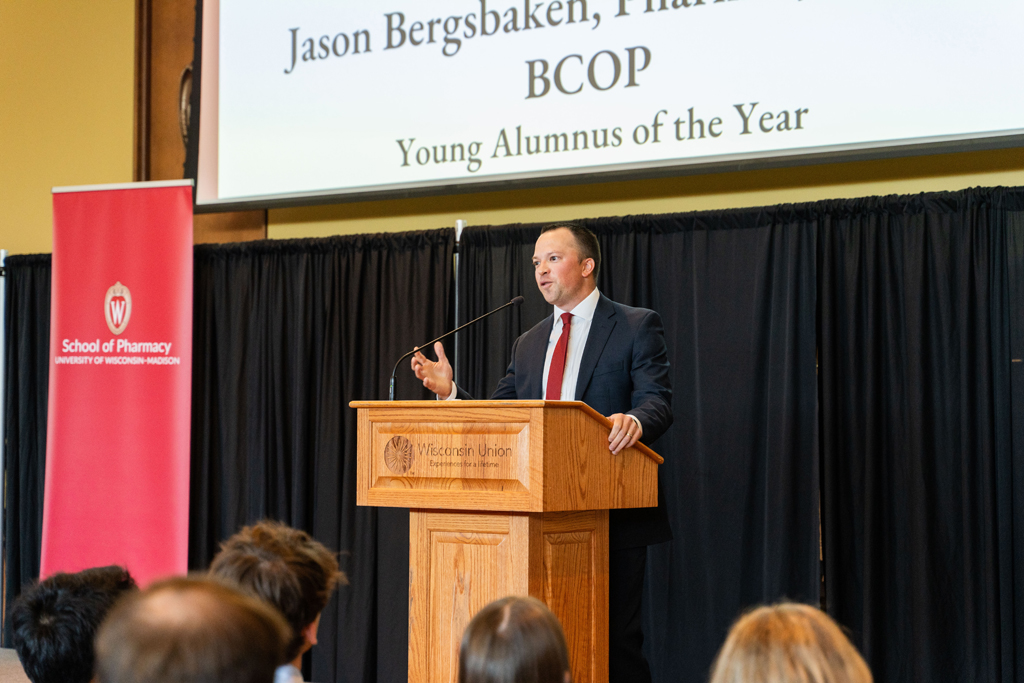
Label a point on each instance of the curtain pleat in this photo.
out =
(285, 335)
(922, 482)
(26, 376)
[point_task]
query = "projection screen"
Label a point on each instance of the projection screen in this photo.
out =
(325, 100)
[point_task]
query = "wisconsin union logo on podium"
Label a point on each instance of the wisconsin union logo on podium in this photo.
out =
(117, 307)
(398, 455)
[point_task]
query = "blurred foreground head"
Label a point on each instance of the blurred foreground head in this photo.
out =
(191, 630)
(55, 622)
(788, 643)
(514, 640)
(285, 567)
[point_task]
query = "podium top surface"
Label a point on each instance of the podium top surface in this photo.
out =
(468, 405)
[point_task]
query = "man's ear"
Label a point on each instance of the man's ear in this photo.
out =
(309, 632)
(588, 266)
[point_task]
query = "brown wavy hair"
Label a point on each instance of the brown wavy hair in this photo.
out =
(788, 643)
(283, 566)
(514, 640)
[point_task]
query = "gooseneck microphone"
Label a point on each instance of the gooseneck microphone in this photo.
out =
(391, 391)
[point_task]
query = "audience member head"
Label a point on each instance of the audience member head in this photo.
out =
(788, 643)
(286, 568)
(191, 630)
(55, 621)
(514, 640)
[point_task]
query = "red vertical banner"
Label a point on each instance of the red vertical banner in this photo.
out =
(118, 427)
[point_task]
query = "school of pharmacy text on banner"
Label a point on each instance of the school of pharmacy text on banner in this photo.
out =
(117, 442)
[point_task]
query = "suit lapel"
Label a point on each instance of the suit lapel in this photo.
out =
(535, 346)
(600, 330)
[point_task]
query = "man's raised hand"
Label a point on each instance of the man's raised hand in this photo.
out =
(435, 375)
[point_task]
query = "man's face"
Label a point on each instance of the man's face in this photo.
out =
(560, 275)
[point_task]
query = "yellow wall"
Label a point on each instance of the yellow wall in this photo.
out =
(66, 100)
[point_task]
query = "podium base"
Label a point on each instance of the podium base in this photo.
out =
(461, 561)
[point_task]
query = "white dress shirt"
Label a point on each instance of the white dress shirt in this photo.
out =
(286, 673)
(582, 317)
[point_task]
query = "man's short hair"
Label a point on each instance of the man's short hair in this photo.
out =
(286, 567)
(191, 630)
(514, 640)
(55, 620)
(586, 242)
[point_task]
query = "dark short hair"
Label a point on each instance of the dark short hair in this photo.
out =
(513, 640)
(55, 620)
(586, 242)
(285, 567)
(191, 630)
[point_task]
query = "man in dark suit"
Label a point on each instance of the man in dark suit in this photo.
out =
(612, 357)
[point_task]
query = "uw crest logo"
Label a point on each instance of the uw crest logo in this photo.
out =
(117, 308)
(398, 455)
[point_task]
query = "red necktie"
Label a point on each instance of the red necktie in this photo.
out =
(557, 369)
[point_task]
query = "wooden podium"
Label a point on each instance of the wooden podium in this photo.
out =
(506, 498)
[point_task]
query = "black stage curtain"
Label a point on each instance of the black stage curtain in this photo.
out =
(286, 334)
(922, 308)
(26, 377)
(736, 291)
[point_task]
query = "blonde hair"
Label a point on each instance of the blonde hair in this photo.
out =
(788, 643)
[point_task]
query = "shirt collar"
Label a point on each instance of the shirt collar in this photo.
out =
(286, 673)
(584, 309)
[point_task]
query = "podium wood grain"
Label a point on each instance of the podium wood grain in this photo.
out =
(459, 562)
(560, 459)
(507, 498)
(575, 587)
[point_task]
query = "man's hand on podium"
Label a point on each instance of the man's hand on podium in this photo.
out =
(436, 376)
(625, 432)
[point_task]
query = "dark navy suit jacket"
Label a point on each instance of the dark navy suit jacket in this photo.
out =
(624, 370)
